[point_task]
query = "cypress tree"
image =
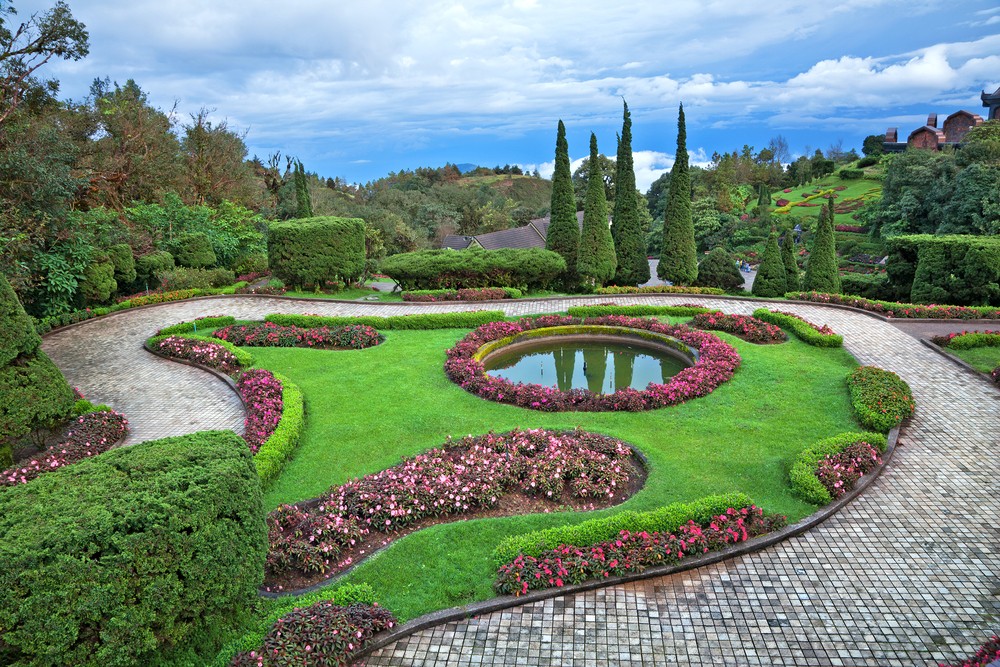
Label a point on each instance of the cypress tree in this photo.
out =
(821, 268)
(303, 202)
(596, 261)
(788, 259)
(679, 255)
(771, 280)
(626, 228)
(563, 236)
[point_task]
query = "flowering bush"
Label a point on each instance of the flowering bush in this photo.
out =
(466, 294)
(261, 394)
(716, 364)
(804, 475)
(471, 473)
(996, 375)
(839, 472)
(91, 434)
(967, 340)
(881, 398)
(631, 552)
(269, 334)
(320, 635)
(987, 654)
(657, 289)
(203, 352)
(857, 229)
(749, 329)
(901, 310)
(266, 290)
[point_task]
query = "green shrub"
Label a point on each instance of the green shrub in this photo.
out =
(278, 449)
(719, 269)
(35, 395)
(523, 268)
(881, 399)
(314, 251)
(973, 340)
(98, 282)
(459, 320)
(869, 161)
(665, 519)
(848, 174)
(869, 286)
(771, 280)
(150, 554)
(194, 250)
(636, 311)
(121, 256)
(251, 264)
(801, 329)
(182, 278)
(958, 270)
(148, 266)
(201, 323)
(82, 407)
(17, 332)
(657, 289)
(805, 484)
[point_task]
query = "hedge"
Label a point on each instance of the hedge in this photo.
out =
(636, 311)
(953, 269)
(803, 478)
(313, 251)
(881, 399)
(278, 449)
(458, 320)
(203, 322)
(849, 174)
(17, 336)
(150, 554)
(194, 250)
(664, 519)
(900, 310)
(974, 339)
(523, 268)
(657, 289)
(802, 329)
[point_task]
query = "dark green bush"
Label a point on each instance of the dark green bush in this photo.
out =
(145, 555)
(771, 280)
(147, 266)
(459, 320)
(251, 264)
(636, 311)
(523, 268)
(805, 484)
(881, 399)
(17, 332)
(182, 278)
(849, 174)
(869, 161)
(314, 251)
(35, 395)
(665, 519)
(98, 282)
(121, 256)
(193, 250)
(202, 323)
(719, 269)
(869, 286)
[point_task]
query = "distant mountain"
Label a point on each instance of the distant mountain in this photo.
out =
(466, 167)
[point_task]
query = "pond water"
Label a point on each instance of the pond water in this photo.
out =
(603, 367)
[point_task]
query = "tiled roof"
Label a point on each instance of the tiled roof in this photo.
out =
(457, 242)
(531, 235)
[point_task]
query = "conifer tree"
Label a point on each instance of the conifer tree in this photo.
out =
(596, 261)
(563, 236)
(303, 202)
(788, 259)
(821, 268)
(771, 280)
(626, 227)
(679, 255)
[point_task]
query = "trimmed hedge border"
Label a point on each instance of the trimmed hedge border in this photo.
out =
(659, 289)
(881, 399)
(894, 309)
(210, 322)
(805, 484)
(685, 310)
(802, 329)
(421, 321)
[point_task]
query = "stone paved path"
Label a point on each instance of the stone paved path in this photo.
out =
(908, 574)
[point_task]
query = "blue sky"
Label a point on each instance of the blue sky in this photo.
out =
(357, 90)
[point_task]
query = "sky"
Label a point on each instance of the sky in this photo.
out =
(360, 89)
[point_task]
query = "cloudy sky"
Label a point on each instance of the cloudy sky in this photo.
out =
(359, 89)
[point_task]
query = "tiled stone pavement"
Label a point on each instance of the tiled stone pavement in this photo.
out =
(908, 574)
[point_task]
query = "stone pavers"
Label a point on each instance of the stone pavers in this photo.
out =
(908, 574)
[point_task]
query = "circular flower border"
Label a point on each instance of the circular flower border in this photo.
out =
(716, 363)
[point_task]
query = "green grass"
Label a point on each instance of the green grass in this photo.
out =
(347, 295)
(983, 359)
(366, 409)
(871, 190)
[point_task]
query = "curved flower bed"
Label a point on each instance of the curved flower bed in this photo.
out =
(901, 310)
(465, 294)
(831, 467)
(269, 334)
(717, 361)
(631, 552)
(261, 394)
(820, 336)
(748, 328)
(199, 351)
(966, 340)
(463, 476)
(839, 472)
(92, 434)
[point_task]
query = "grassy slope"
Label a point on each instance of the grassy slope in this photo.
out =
(366, 409)
(862, 187)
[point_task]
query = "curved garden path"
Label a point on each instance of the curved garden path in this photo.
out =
(907, 574)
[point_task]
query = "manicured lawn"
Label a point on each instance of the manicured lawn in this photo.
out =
(869, 189)
(348, 295)
(983, 359)
(366, 409)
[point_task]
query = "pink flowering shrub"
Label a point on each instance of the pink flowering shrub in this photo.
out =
(716, 364)
(465, 294)
(902, 310)
(320, 635)
(91, 434)
(838, 473)
(748, 328)
(203, 352)
(269, 334)
(857, 229)
(987, 654)
(261, 394)
(465, 475)
(631, 552)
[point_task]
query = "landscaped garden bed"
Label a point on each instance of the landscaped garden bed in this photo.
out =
(746, 328)
(900, 310)
(979, 349)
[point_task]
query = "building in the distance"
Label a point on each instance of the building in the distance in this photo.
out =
(952, 130)
(532, 235)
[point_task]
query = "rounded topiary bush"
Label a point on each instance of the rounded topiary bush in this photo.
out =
(719, 269)
(313, 251)
(148, 266)
(146, 555)
(194, 250)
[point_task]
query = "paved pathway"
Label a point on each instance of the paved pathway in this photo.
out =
(908, 574)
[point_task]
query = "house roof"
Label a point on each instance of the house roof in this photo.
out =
(457, 241)
(532, 235)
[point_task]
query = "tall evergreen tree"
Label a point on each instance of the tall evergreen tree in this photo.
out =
(771, 279)
(626, 227)
(596, 259)
(303, 201)
(679, 255)
(788, 259)
(564, 232)
(821, 268)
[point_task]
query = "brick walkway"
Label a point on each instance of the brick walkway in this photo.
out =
(908, 574)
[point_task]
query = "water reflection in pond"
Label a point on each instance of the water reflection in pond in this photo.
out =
(602, 367)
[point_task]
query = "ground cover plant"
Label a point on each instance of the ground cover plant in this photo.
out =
(749, 329)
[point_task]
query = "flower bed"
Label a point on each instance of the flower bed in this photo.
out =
(91, 434)
(749, 329)
(199, 351)
(261, 394)
(631, 552)
(270, 334)
(881, 398)
(831, 467)
(265, 290)
(468, 294)
(657, 289)
(967, 340)
(820, 336)
(901, 310)
(987, 654)
(856, 229)
(461, 477)
(205, 322)
(320, 635)
(682, 310)
(716, 364)
(995, 374)
(839, 472)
